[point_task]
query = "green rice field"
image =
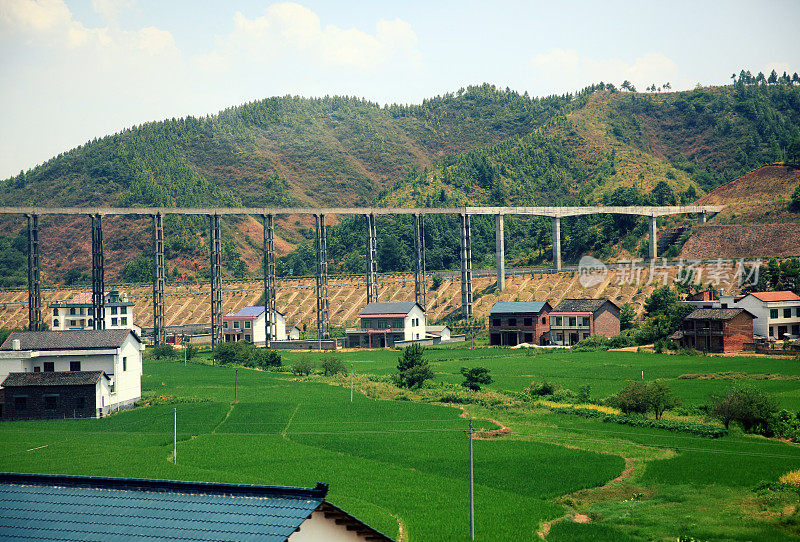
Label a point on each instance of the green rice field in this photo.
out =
(403, 465)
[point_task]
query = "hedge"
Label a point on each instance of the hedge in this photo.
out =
(699, 429)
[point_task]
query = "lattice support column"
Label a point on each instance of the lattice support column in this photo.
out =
(34, 275)
(159, 329)
(216, 282)
(270, 313)
(323, 327)
(466, 266)
(420, 279)
(98, 274)
(372, 260)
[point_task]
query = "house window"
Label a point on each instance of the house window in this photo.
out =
(787, 313)
(247, 338)
(724, 305)
(527, 322)
(585, 321)
(113, 321)
(573, 321)
(247, 325)
(773, 313)
(91, 323)
(559, 337)
(796, 329)
(50, 402)
(49, 366)
(123, 321)
(55, 312)
(123, 310)
(124, 364)
(37, 369)
(797, 312)
(91, 311)
(512, 321)
(72, 311)
(74, 366)
(544, 319)
(496, 322)
(236, 324)
(55, 323)
(83, 311)
(20, 403)
(225, 324)
(558, 321)
(529, 337)
(113, 310)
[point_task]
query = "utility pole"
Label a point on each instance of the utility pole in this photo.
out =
(175, 438)
(235, 385)
(471, 490)
(351, 381)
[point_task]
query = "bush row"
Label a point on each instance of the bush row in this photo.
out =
(699, 429)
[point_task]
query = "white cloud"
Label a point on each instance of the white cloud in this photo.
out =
(560, 70)
(110, 9)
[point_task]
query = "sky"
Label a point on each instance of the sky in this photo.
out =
(71, 71)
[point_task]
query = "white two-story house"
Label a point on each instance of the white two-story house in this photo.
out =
(248, 324)
(81, 373)
(383, 324)
(777, 314)
(77, 313)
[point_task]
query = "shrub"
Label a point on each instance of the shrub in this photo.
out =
(699, 429)
(332, 365)
(163, 351)
(412, 368)
(436, 281)
(541, 390)
(246, 354)
(633, 399)
(791, 478)
(750, 407)
(302, 367)
(475, 377)
(190, 350)
(584, 394)
(660, 398)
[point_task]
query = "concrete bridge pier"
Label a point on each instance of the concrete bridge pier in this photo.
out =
(653, 238)
(703, 217)
(34, 275)
(270, 325)
(556, 243)
(216, 282)
(466, 266)
(98, 274)
(372, 260)
(323, 325)
(159, 331)
(500, 251)
(420, 280)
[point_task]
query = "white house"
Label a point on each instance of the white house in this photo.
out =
(777, 314)
(109, 361)
(294, 333)
(382, 324)
(77, 313)
(248, 325)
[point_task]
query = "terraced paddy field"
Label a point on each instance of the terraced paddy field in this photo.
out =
(401, 465)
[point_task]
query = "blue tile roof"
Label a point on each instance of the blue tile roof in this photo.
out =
(51, 507)
(249, 312)
(509, 307)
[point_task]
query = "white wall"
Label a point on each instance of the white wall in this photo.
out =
(319, 529)
(128, 383)
(414, 332)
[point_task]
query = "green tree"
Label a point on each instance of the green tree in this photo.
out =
(303, 367)
(633, 399)
(412, 368)
(475, 377)
(660, 398)
(332, 365)
(163, 351)
(750, 407)
(139, 269)
(627, 315)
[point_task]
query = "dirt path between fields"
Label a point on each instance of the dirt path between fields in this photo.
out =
(486, 435)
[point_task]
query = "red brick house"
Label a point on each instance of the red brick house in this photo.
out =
(515, 322)
(573, 320)
(716, 330)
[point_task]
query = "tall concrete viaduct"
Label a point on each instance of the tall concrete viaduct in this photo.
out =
(268, 216)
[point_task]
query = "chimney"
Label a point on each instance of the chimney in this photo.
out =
(15, 344)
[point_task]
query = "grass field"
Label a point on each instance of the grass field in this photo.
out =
(392, 462)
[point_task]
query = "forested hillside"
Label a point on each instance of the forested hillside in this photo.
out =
(481, 145)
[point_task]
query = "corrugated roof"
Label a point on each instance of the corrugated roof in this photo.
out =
(72, 378)
(79, 339)
(249, 312)
(388, 308)
(508, 307)
(715, 314)
(41, 507)
(580, 305)
(776, 296)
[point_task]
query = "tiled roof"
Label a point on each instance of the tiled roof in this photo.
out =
(249, 312)
(388, 308)
(776, 296)
(49, 507)
(580, 305)
(715, 314)
(83, 339)
(510, 307)
(72, 378)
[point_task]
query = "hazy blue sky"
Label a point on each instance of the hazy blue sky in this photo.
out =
(75, 70)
